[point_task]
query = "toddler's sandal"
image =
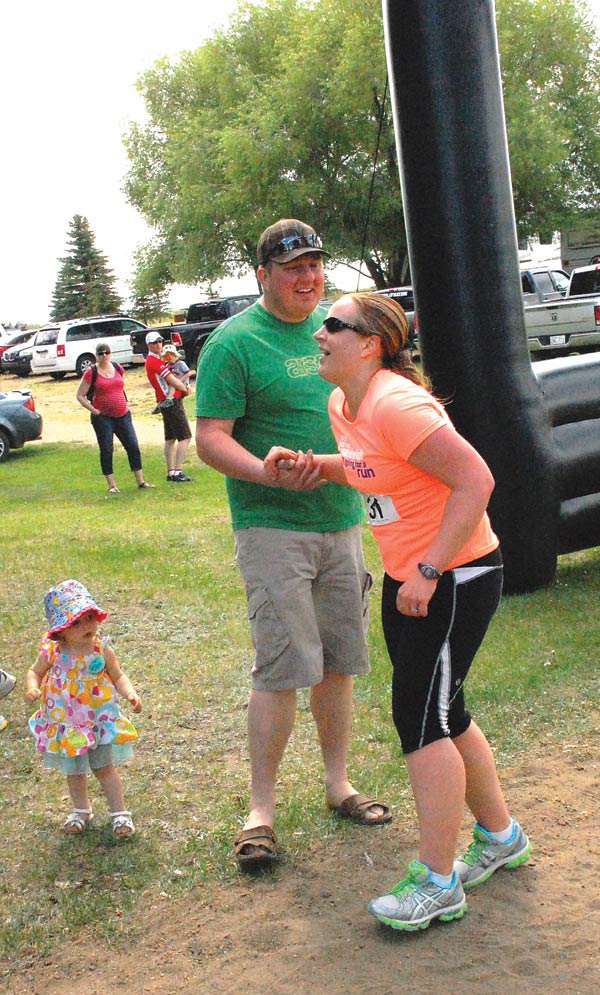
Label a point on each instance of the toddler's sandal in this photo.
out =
(122, 824)
(76, 821)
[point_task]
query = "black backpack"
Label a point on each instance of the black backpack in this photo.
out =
(92, 387)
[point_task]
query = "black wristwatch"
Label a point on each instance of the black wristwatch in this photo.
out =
(429, 571)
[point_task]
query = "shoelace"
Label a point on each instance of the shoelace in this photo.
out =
(474, 851)
(409, 883)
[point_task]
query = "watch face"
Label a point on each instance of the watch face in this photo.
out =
(429, 572)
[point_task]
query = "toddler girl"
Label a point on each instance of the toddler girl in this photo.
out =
(78, 726)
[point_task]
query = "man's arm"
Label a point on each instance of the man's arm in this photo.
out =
(216, 446)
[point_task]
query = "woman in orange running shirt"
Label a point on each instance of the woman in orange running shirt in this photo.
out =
(426, 491)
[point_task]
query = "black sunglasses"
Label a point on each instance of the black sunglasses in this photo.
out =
(337, 325)
(291, 242)
(103, 352)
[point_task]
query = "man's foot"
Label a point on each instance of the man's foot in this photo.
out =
(7, 683)
(484, 855)
(178, 477)
(363, 810)
(256, 847)
(416, 900)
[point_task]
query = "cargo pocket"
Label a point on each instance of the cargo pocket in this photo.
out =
(268, 633)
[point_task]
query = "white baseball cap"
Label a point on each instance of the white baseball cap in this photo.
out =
(153, 337)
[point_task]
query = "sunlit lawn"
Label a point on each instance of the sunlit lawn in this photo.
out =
(162, 563)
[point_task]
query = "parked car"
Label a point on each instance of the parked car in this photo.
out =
(16, 358)
(19, 421)
(15, 339)
(70, 346)
(584, 280)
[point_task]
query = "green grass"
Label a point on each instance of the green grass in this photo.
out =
(162, 563)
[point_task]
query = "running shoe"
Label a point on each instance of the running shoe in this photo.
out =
(7, 683)
(484, 855)
(416, 900)
(178, 477)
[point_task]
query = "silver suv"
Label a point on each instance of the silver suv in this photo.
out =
(70, 346)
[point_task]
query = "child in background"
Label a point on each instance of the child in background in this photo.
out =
(78, 726)
(7, 683)
(176, 365)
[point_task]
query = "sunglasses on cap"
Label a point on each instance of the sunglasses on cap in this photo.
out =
(291, 242)
(338, 325)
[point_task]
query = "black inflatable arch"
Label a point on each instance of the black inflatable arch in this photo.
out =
(450, 131)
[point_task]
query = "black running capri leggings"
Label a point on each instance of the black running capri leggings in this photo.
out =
(431, 656)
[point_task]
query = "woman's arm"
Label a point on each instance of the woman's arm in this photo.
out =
(82, 392)
(35, 676)
(121, 680)
(451, 459)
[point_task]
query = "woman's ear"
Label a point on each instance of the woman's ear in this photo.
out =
(371, 346)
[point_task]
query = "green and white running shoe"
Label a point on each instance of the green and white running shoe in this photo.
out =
(484, 855)
(416, 900)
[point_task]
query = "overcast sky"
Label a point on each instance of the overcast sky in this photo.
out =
(67, 74)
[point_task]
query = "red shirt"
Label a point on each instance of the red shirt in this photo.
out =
(109, 395)
(155, 367)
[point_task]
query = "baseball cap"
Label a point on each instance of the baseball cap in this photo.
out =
(286, 240)
(169, 350)
(153, 337)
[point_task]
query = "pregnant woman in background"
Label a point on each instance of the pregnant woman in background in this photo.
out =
(101, 392)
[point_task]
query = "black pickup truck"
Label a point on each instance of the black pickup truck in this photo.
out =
(190, 336)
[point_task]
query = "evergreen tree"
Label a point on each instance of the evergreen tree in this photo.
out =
(85, 283)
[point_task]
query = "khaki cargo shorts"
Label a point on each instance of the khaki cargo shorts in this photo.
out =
(308, 604)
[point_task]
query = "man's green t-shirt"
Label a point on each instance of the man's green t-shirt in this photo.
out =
(263, 372)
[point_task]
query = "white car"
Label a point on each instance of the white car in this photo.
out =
(70, 346)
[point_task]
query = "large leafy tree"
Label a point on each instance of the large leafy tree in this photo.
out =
(285, 114)
(85, 283)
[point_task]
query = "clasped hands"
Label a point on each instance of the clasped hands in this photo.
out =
(291, 470)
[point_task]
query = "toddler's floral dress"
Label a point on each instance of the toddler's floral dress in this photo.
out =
(79, 725)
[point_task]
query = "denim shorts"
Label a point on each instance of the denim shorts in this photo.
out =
(308, 604)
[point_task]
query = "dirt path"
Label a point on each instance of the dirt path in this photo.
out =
(304, 929)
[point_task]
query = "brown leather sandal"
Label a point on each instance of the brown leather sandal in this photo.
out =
(357, 808)
(256, 847)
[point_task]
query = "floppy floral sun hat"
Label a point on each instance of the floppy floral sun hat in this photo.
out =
(66, 602)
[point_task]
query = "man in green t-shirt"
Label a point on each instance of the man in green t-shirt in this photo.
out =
(297, 542)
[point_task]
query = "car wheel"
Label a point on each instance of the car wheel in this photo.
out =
(83, 363)
(23, 373)
(4, 446)
(55, 376)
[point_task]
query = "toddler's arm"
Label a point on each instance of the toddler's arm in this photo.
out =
(121, 680)
(35, 676)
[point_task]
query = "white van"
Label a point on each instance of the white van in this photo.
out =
(70, 346)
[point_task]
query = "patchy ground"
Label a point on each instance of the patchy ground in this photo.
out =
(304, 927)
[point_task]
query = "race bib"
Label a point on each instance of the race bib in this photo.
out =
(380, 509)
